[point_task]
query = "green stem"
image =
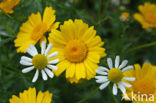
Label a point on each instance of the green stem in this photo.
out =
(6, 14)
(106, 7)
(99, 11)
(6, 35)
(87, 97)
(141, 46)
(114, 98)
(104, 19)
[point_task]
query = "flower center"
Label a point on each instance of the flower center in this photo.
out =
(150, 17)
(39, 61)
(115, 75)
(76, 51)
(38, 31)
(125, 15)
(144, 86)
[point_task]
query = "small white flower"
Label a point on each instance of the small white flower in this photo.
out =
(114, 75)
(40, 61)
(115, 2)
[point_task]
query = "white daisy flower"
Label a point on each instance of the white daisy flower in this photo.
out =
(40, 61)
(114, 75)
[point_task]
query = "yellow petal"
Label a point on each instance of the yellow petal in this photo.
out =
(137, 71)
(70, 72)
(15, 99)
(49, 16)
(54, 26)
(40, 97)
(80, 71)
(140, 19)
(35, 19)
(47, 97)
(62, 66)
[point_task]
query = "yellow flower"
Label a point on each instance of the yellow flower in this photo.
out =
(30, 96)
(35, 28)
(147, 15)
(145, 84)
(8, 5)
(79, 50)
(125, 17)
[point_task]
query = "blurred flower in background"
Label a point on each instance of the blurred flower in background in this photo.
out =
(122, 7)
(34, 29)
(80, 49)
(8, 5)
(30, 96)
(125, 16)
(119, 2)
(147, 15)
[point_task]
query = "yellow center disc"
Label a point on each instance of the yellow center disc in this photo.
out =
(115, 75)
(76, 51)
(39, 61)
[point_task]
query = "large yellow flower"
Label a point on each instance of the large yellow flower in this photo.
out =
(147, 15)
(35, 29)
(79, 50)
(144, 86)
(8, 5)
(30, 96)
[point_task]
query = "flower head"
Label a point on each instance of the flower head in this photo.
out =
(114, 75)
(42, 62)
(118, 2)
(80, 49)
(34, 29)
(145, 83)
(147, 15)
(30, 96)
(8, 5)
(125, 16)
(115, 2)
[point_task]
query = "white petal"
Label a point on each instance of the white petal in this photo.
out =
(122, 88)
(123, 64)
(43, 46)
(104, 85)
(25, 63)
(28, 69)
(52, 67)
(44, 75)
(53, 55)
(36, 76)
(110, 63)
(101, 80)
(115, 89)
(129, 78)
(53, 61)
(33, 48)
(30, 52)
(48, 49)
(100, 77)
(127, 68)
(26, 59)
(125, 84)
(100, 72)
(49, 72)
(117, 61)
(103, 68)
